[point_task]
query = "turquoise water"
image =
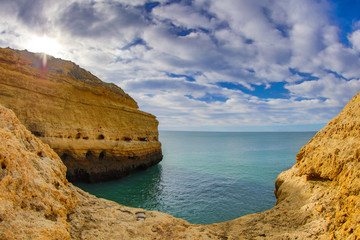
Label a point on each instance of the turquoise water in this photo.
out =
(208, 177)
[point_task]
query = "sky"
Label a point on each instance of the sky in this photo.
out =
(206, 65)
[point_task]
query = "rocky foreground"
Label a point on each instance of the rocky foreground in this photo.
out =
(318, 198)
(95, 127)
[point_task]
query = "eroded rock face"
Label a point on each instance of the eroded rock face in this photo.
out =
(37, 202)
(95, 127)
(332, 158)
(318, 198)
(34, 194)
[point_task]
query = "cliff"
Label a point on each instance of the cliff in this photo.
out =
(37, 202)
(318, 198)
(94, 127)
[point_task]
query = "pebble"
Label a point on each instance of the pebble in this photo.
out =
(319, 208)
(140, 216)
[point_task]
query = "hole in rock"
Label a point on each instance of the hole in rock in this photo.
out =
(51, 217)
(64, 156)
(68, 217)
(41, 154)
(127, 139)
(102, 155)
(143, 139)
(3, 166)
(85, 138)
(316, 177)
(37, 134)
(100, 137)
(88, 154)
(57, 185)
(78, 136)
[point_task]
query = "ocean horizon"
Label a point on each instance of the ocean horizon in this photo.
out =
(208, 177)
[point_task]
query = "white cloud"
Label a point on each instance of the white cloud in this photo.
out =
(180, 15)
(250, 44)
(355, 40)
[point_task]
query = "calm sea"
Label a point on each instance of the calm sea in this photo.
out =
(208, 177)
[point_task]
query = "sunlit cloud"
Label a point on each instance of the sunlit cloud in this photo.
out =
(205, 64)
(43, 44)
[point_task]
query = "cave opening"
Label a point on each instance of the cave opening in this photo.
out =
(101, 137)
(88, 154)
(102, 155)
(37, 134)
(64, 157)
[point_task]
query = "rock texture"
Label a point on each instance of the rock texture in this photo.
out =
(318, 198)
(37, 202)
(95, 127)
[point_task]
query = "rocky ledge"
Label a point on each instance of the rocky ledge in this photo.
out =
(95, 127)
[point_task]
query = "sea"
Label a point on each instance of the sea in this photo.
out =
(209, 177)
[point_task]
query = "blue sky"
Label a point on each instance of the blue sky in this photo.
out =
(229, 65)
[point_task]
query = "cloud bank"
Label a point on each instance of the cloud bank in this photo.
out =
(205, 64)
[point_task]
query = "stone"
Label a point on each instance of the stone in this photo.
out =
(34, 194)
(37, 201)
(318, 198)
(95, 127)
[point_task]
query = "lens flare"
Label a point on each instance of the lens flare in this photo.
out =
(45, 46)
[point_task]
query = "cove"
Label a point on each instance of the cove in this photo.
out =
(209, 177)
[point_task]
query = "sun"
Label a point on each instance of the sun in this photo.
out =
(44, 45)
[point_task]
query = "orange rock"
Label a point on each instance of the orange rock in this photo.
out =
(95, 127)
(318, 198)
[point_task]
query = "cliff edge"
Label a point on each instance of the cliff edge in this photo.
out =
(37, 202)
(318, 198)
(95, 127)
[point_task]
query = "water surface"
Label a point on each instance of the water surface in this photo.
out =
(208, 177)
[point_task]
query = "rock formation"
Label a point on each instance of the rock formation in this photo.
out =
(37, 202)
(95, 127)
(318, 198)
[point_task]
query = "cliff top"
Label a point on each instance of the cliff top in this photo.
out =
(56, 69)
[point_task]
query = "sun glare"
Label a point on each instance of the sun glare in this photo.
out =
(44, 44)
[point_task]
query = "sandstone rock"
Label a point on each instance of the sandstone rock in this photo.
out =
(34, 194)
(318, 198)
(37, 202)
(95, 127)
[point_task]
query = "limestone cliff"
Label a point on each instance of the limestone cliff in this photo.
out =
(318, 198)
(95, 127)
(37, 202)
